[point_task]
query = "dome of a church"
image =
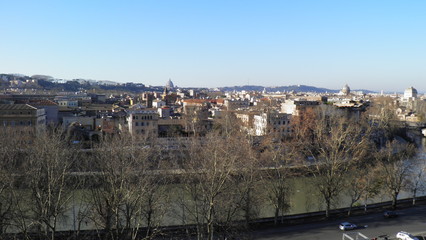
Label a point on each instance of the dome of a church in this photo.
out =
(346, 90)
(410, 93)
(169, 84)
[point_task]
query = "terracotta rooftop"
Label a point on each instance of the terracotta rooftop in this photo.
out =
(42, 102)
(220, 101)
(195, 100)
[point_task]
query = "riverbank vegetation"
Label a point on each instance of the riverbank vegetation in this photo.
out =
(217, 184)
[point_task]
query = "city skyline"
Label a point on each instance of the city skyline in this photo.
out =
(367, 45)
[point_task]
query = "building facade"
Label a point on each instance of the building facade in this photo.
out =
(143, 122)
(295, 107)
(22, 116)
(272, 122)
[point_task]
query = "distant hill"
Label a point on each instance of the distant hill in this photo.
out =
(296, 88)
(50, 83)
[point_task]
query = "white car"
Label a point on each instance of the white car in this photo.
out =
(347, 226)
(405, 236)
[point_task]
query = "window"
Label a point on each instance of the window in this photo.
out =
(136, 124)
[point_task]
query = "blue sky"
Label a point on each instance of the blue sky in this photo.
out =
(367, 44)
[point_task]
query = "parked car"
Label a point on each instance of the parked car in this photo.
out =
(347, 226)
(405, 236)
(390, 214)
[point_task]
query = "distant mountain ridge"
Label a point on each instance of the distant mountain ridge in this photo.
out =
(296, 88)
(49, 82)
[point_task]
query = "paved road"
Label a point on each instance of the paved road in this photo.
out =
(412, 220)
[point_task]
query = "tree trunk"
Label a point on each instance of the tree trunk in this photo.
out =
(414, 196)
(327, 209)
(350, 209)
(210, 230)
(365, 206)
(394, 200)
(277, 211)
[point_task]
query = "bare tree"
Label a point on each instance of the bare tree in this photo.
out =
(335, 142)
(420, 109)
(14, 146)
(277, 158)
(248, 182)
(395, 167)
(210, 168)
(362, 182)
(280, 193)
(9, 155)
(126, 193)
(195, 119)
(47, 163)
(227, 124)
(415, 178)
(246, 198)
(382, 112)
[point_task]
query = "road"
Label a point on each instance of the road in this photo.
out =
(411, 220)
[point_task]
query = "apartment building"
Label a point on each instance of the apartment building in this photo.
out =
(22, 115)
(143, 122)
(296, 106)
(272, 122)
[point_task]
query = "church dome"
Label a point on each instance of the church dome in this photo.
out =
(346, 90)
(169, 84)
(410, 93)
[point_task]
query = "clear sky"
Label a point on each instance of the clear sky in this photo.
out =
(367, 44)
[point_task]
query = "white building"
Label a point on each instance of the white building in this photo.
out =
(158, 103)
(409, 100)
(294, 107)
(275, 122)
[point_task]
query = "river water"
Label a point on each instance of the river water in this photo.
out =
(304, 198)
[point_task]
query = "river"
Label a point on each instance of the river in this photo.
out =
(304, 198)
